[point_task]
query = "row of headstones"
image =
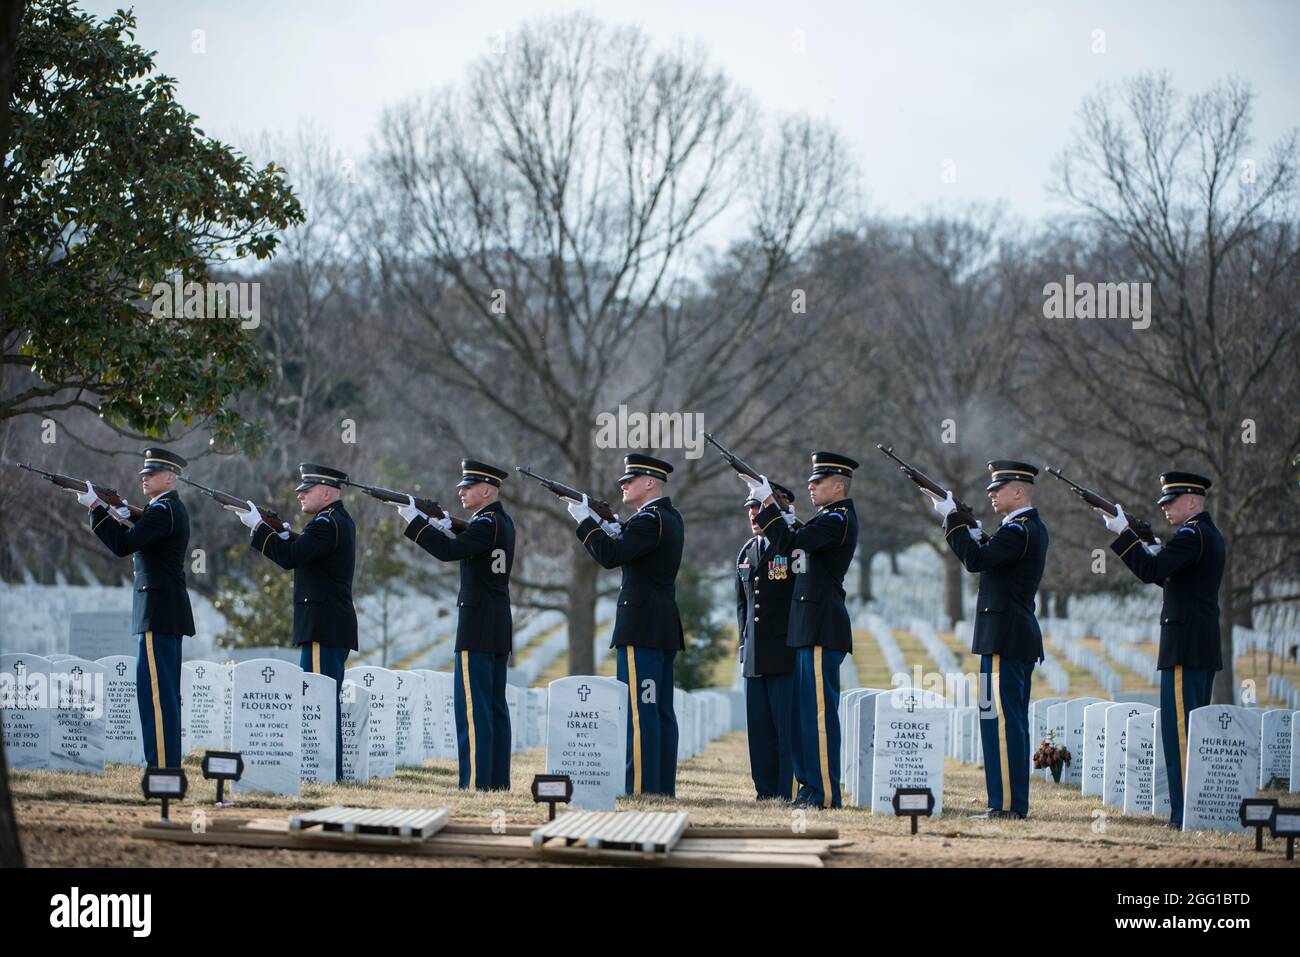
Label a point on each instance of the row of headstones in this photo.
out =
(587, 732)
(1090, 661)
(77, 715)
(278, 717)
(895, 663)
(1282, 688)
(1049, 670)
(1133, 658)
(891, 739)
(1118, 755)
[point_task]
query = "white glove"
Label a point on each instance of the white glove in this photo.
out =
(252, 518)
(580, 510)
(1154, 548)
(788, 517)
(944, 506)
(89, 497)
(612, 529)
(977, 532)
(761, 489)
(408, 511)
(443, 525)
(1118, 522)
(123, 512)
(284, 534)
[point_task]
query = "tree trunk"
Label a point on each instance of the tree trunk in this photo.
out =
(1224, 681)
(582, 615)
(1061, 605)
(864, 575)
(952, 573)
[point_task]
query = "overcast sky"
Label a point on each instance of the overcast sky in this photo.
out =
(992, 86)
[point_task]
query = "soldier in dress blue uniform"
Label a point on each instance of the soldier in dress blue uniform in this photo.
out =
(647, 627)
(819, 628)
(1189, 567)
(1007, 637)
(484, 627)
(322, 559)
(764, 587)
(160, 610)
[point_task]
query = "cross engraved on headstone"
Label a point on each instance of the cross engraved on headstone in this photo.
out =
(369, 679)
(1225, 719)
(77, 671)
(1133, 712)
(583, 691)
(268, 673)
(911, 704)
(200, 672)
(121, 668)
(19, 667)
(304, 689)
(399, 682)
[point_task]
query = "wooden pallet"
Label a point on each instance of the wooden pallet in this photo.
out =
(649, 832)
(696, 847)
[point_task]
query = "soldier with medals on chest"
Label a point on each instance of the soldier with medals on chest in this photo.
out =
(1007, 637)
(819, 628)
(764, 587)
(160, 609)
(1189, 568)
(647, 625)
(485, 549)
(323, 560)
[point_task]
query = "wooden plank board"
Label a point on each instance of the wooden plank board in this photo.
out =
(273, 833)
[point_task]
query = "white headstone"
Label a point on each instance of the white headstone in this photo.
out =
(431, 714)
(1139, 762)
(77, 724)
(439, 687)
(515, 707)
(1094, 748)
(910, 728)
(410, 719)
(122, 742)
(860, 775)
(354, 705)
(1275, 749)
(267, 725)
(1160, 806)
(1222, 766)
(1295, 752)
(381, 685)
(100, 634)
(536, 717)
(25, 711)
(1116, 759)
(320, 702)
(205, 700)
(1038, 728)
(587, 738)
(1074, 737)
(848, 747)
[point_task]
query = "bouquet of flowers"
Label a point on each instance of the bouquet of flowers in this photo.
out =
(1052, 755)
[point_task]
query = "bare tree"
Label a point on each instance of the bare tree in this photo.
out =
(541, 226)
(1172, 191)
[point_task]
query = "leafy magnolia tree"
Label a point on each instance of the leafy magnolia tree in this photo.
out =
(111, 189)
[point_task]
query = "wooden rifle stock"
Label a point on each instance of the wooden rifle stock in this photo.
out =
(107, 494)
(599, 508)
(1141, 528)
(226, 500)
(964, 513)
(426, 505)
